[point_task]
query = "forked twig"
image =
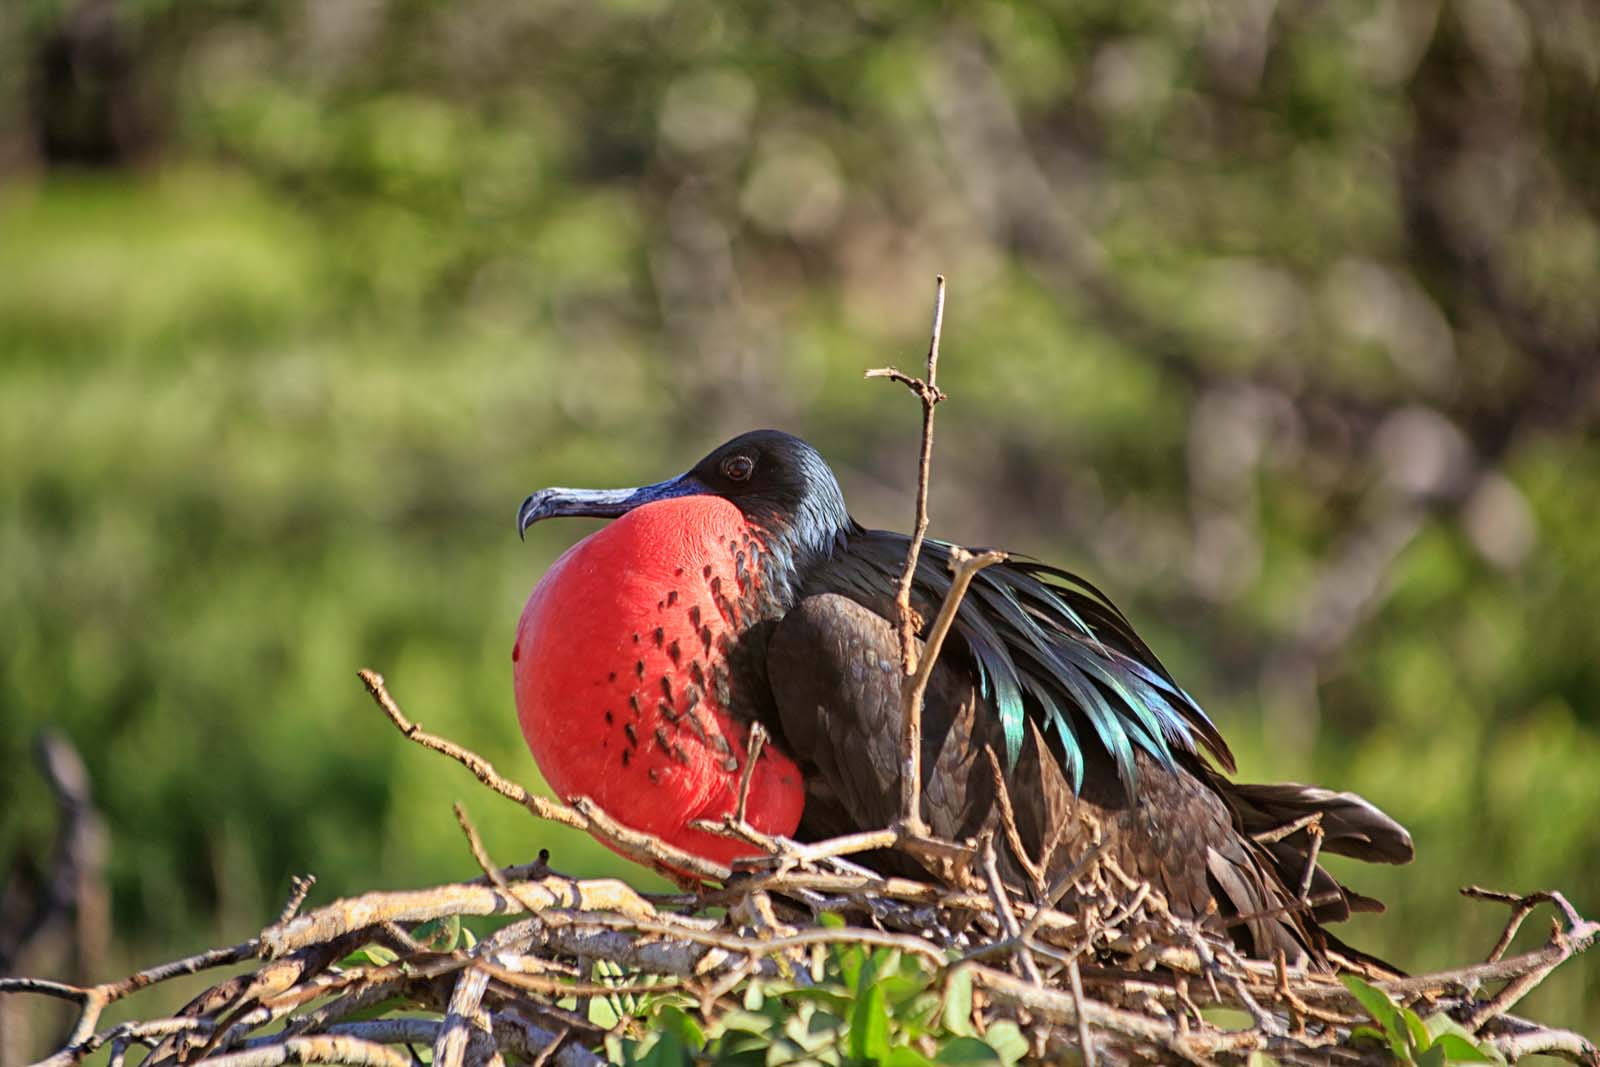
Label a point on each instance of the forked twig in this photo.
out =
(927, 390)
(1521, 907)
(496, 876)
(1008, 917)
(917, 670)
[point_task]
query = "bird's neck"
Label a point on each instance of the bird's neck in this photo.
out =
(789, 554)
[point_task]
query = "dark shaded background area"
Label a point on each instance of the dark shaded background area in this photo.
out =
(1278, 319)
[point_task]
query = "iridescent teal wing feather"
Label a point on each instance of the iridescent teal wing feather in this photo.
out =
(1050, 647)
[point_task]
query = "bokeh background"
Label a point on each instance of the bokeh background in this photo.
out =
(1280, 319)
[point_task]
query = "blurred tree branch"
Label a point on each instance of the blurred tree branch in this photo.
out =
(70, 904)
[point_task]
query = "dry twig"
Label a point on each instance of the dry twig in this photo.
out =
(927, 390)
(501, 996)
(580, 813)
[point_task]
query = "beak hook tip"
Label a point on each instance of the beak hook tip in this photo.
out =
(522, 520)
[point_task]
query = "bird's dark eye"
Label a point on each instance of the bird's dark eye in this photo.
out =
(738, 468)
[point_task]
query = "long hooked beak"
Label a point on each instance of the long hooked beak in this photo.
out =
(599, 503)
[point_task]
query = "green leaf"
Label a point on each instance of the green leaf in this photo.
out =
(1227, 1018)
(1418, 1032)
(737, 1021)
(851, 961)
(666, 1051)
(813, 1031)
(736, 1043)
(1431, 1057)
(919, 1015)
(822, 1032)
(369, 956)
(784, 1051)
(903, 987)
(831, 920)
(906, 1056)
(1384, 1012)
(755, 995)
(676, 1021)
(603, 1013)
(968, 1052)
(869, 1024)
(1458, 1049)
(958, 1002)
(1261, 1059)
(830, 997)
(1005, 1037)
(1441, 1025)
(1374, 1000)
(439, 935)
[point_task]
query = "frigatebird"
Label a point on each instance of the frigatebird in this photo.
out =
(742, 591)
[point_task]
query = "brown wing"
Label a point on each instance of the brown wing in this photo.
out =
(834, 669)
(833, 666)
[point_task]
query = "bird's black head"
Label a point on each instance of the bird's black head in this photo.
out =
(780, 483)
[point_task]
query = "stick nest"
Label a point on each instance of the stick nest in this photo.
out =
(373, 979)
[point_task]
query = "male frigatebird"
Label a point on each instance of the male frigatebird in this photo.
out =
(743, 591)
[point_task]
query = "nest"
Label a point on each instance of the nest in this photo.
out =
(1117, 979)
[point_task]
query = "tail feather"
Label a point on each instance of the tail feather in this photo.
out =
(1261, 909)
(1351, 826)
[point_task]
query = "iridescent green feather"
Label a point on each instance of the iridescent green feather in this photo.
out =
(1049, 646)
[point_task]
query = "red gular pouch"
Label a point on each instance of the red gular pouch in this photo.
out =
(622, 681)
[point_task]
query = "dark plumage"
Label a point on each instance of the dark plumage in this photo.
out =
(1042, 669)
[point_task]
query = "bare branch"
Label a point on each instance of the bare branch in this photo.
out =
(1540, 1041)
(496, 876)
(465, 1016)
(321, 1049)
(927, 390)
(758, 737)
(1008, 917)
(579, 814)
(1085, 1038)
(364, 912)
(299, 888)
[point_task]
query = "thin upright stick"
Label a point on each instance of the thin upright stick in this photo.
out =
(930, 396)
(927, 390)
(758, 738)
(964, 566)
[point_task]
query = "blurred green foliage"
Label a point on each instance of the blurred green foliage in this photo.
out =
(1277, 320)
(1436, 1041)
(855, 1007)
